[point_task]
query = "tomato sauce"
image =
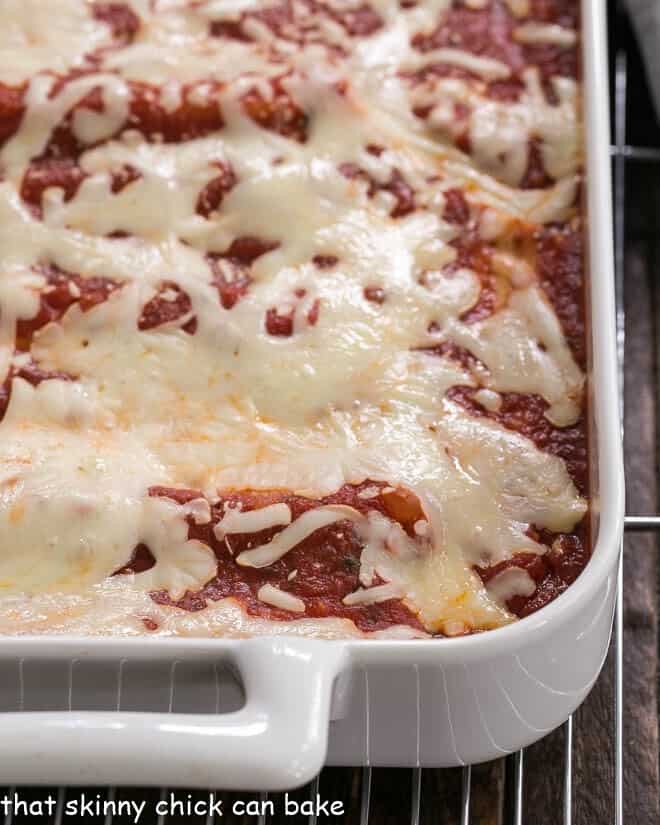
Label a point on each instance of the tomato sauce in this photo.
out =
(327, 562)
(12, 109)
(33, 374)
(397, 186)
(211, 197)
(526, 415)
(455, 352)
(552, 572)
(45, 173)
(490, 32)
(63, 289)
(323, 569)
(278, 113)
(280, 324)
(239, 257)
(166, 307)
(280, 19)
(124, 176)
(121, 19)
(559, 262)
(325, 261)
(457, 209)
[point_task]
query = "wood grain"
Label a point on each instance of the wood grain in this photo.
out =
(640, 557)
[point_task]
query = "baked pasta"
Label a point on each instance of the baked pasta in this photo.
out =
(292, 316)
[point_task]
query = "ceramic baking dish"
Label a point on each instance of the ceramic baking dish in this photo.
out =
(430, 703)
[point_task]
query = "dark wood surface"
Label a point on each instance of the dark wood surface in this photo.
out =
(640, 558)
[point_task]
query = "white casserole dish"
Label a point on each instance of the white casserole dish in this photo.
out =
(426, 703)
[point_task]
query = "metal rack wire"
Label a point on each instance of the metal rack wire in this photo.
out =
(622, 153)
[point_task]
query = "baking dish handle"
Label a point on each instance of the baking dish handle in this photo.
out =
(277, 740)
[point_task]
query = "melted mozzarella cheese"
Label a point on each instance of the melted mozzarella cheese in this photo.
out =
(264, 518)
(280, 598)
(38, 36)
(536, 33)
(500, 131)
(302, 528)
(485, 67)
(350, 395)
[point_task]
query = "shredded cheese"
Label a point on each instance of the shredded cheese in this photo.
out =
(268, 594)
(535, 33)
(302, 527)
(345, 389)
(234, 521)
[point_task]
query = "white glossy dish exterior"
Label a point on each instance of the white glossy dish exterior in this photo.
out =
(430, 703)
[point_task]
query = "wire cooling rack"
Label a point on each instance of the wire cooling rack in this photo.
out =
(468, 795)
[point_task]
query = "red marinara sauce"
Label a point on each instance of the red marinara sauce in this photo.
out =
(321, 570)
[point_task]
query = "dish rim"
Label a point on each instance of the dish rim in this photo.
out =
(603, 386)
